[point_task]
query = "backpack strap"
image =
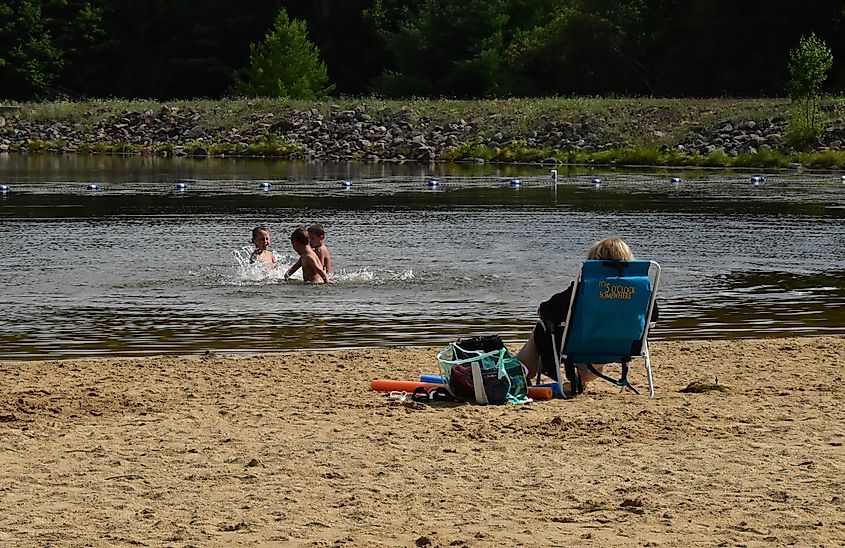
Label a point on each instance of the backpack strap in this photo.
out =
(478, 383)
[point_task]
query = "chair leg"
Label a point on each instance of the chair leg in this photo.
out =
(648, 370)
(557, 366)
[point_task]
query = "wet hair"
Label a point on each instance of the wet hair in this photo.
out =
(258, 230)
(299, 235)
(316, 229)
(611, 249)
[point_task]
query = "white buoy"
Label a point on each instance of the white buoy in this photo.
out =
(93, 186)
(553, 174)
(433, 183)
(265, 185)
(181, 187)
(516, 183)
(346, 184)
(843, 178)
(676, 179)
(597, 182)
(758, 180)
(5, 189)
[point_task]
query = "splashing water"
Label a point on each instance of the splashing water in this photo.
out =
(365, 276)
(258, 272)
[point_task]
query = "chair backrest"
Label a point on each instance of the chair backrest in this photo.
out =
(609, 315)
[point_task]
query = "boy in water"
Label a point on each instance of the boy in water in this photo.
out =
(312, 268)
(317, 241)
(261, 240)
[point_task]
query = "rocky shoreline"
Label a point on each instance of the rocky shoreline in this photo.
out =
(362, 132)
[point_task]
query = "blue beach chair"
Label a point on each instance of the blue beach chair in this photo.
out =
(608, 321)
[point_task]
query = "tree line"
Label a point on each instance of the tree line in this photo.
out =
(401, 48)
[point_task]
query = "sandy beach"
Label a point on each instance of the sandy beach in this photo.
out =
(293, 449)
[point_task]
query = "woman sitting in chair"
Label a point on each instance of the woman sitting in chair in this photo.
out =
(538, 350)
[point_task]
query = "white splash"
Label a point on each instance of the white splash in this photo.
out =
(259, 273)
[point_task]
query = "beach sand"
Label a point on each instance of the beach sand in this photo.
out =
(293, 449)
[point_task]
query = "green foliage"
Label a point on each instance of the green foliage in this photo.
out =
(826, 159)
(349, 35)
(468, 150)
(582, 47)
(451, 47)
(272, 144)
(286, 64)
(642, 156)
(29, 60)
(40, 38)
(809, 64)
(763, 158)
(519, 151)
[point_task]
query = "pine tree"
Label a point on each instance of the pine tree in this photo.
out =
(285, 64)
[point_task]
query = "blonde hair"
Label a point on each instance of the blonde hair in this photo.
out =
(610, 249)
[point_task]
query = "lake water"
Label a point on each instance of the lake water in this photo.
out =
(138, 268)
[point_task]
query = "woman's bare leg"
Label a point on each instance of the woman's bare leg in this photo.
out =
(587, 375)
(530, 357)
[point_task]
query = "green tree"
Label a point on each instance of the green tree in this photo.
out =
(76, 26)
(40, 38)
(286, 64)
(582, 48)
(167, 49)
(29, 61)
(809, 63)
(451, 47)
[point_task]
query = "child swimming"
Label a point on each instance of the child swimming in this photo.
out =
(312, 267)
(317, 241)
(261, 240)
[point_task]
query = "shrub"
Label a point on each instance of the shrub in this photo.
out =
(717, 158)
(809, 64)
(825, 159)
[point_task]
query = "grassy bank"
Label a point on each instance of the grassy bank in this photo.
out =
(628, 131)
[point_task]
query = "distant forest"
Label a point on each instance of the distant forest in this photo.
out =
(168, 49)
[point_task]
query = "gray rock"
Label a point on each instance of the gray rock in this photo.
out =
(424, 154)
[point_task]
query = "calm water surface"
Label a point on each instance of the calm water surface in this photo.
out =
(137, 268)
